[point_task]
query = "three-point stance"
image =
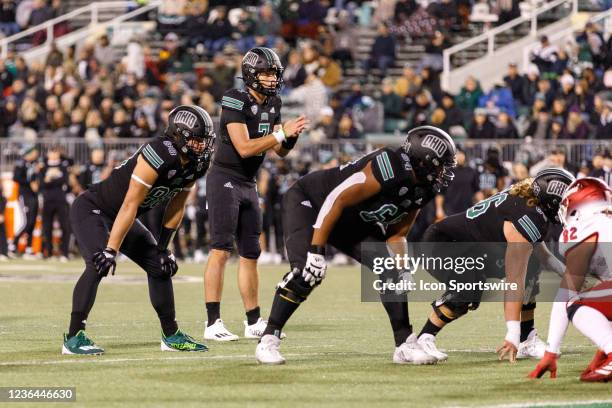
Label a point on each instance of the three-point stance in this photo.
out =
(373, 199)
(250, 126)
(104, 222)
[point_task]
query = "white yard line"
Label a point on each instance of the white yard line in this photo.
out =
(540, 404)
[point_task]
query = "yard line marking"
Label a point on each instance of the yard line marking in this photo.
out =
(540, 404)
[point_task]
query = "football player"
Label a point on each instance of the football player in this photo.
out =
(520, 216)
(586, 212)
(104, 222)
(250, 126)
(373, 199)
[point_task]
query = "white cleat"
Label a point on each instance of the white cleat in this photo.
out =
(428, 344)
(255, 331)
(411, 352)
(218, 332)
(533, 347)
(267, 351)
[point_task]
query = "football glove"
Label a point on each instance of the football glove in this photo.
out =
(105, 261)
(168, 264)
(314, 271)
(547, 363)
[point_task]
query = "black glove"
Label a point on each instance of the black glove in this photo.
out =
(168, 263)
(105, 262)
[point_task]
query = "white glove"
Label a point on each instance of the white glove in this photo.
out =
(315, 268)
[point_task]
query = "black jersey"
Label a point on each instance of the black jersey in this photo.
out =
(238, 106)
(399, 193)
(485, 220)
(161, 154)
(91, 174)
(23, 174)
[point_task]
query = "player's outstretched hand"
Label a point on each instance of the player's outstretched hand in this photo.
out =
(316, 266)
(293, 127)
(169, 266)
(507, 350)
(105, 261)
(547, 363)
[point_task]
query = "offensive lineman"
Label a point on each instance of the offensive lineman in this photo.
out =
(104, 222)
(250, 126)
(586, 212)
(373, 199)
(521, 216)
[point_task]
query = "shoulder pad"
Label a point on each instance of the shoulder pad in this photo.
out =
(234, 99)
(159, 152)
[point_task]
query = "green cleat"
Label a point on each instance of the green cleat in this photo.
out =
(81, 344)
(180, 341)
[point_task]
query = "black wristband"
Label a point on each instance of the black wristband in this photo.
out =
(165, 237)
(289, 143)
(110, 251)
(317, 249)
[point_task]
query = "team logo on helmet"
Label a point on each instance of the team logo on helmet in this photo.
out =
(556, 188)
(435, 144)
(250, 59)
(185, 118)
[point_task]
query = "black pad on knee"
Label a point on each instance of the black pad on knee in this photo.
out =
(452, 310)
(293, 287)
(528, 306)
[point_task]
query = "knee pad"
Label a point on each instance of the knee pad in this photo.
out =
(449, 310)
(571, 310)
(293, 287)
(249, 249)
(528, 306)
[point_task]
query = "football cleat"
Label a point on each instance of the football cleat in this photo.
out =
(598, 359)
(180, 341)
(428, 344)
(602, 373)
(255, 330)
(81, 344)
(218, 332)
(533, 347)
(411, 352)
(267, 351)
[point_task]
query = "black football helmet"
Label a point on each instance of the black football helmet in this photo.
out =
(191, 130)
(548, 186)
(257, 61)
(432, 155)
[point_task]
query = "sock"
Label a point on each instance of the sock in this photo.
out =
(526, 327)
(430, 328)
(77, 322)
(593, 324)
(281, 311)
(400, 322)
(213, 310)
(169, 326)
(253, 316)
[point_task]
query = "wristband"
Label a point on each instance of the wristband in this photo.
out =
(110, 251)
(279, 135)
(289, 143)
(165, 237)
(513, 334)
(317, 249)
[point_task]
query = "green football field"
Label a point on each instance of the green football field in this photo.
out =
(338, 349)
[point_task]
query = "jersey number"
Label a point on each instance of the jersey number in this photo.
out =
(264, 128)
(159, 194)
(386, 214)
(484, 205)
(570, 234)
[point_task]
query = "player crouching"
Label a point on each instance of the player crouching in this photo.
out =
(104, 222)
(586, 211)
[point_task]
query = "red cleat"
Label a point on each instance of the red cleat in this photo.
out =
(598, 359)
(602, 373)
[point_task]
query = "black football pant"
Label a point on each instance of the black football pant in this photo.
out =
(91, 228)
(55, 208)
(30, 206)
(298, 219)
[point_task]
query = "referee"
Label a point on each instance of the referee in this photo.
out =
(250, 126)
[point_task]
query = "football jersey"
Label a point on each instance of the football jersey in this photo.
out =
(238, 106)
(163, 157)
(594, 221)
(485, 220)
(399, 193)
(91, 174)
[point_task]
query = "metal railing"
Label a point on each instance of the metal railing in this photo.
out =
(524, 150)
(604, 17)
(490, 35)
(93, 9)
